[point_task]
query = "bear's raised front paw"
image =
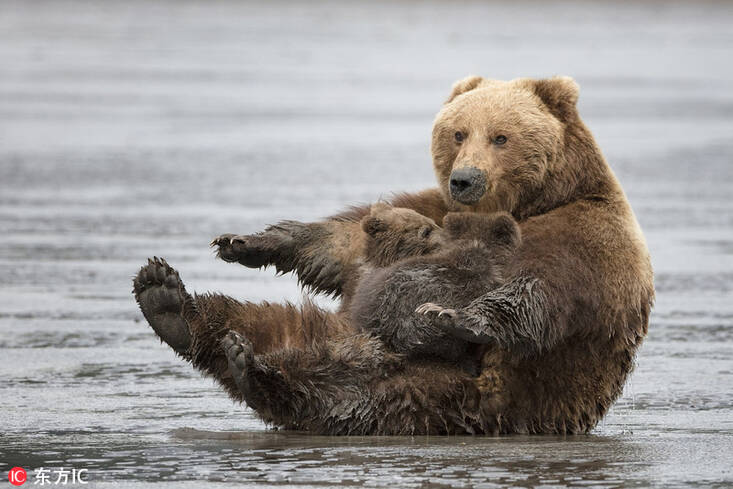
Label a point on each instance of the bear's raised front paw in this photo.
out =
(430, 308)
(276, 243)
(253, 251)
(240, 356)
(160, 293)
(231, 247)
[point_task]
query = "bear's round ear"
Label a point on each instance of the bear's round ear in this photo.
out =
(559, 94)
(373, 225)
(463, 86)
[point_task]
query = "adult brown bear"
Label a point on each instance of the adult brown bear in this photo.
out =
(562, 329)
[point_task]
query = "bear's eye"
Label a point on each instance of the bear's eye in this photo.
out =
(459, 136)
(425, 232)
(500, 140)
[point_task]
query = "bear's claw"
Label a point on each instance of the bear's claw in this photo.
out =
(276, 245)
(429, 307)
(252, 251)
(160, 293)
(240, 356)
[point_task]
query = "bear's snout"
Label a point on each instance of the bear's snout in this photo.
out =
(467, 185)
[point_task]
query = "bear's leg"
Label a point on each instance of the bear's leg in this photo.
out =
(352, 386)
(194, 326)
(325, 254)
(321, 253)
(268, 328)
(310, 388)
(427, 399)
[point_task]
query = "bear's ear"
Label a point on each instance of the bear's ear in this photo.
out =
(425, 231)
(463, 86)
(559, 94)
(373, 225)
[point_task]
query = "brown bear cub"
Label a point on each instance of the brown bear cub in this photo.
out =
(421, 264)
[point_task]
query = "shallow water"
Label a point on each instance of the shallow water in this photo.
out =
(131, 129)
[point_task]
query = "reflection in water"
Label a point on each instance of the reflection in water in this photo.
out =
(149, 128)
(296, 458)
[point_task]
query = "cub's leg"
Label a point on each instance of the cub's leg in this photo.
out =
(195, 325)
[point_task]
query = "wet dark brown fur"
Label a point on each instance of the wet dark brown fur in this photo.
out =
(562, 328)
(422, 263)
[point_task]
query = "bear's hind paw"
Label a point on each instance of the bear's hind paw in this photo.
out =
(160, 293)
(240, 356)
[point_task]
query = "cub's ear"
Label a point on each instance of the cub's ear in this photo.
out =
(559, 94)
(457, 224)
(504, 231)
(373, 225)
(463, 86)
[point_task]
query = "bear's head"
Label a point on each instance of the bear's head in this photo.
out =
(503, 145)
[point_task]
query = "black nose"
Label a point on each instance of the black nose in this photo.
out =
(459, 183)
(467, 185)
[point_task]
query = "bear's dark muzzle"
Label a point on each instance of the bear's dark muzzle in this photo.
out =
(467, 185)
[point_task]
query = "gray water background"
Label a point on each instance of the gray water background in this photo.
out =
(131, 129)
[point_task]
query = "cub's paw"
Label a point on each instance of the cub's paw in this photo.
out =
(454, 322)
(161, 295)
(431, 309)
(240, 357)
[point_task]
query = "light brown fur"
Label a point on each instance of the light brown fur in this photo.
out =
(561, 330)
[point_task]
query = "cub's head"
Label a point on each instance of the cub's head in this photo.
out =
(498, 230)
(395, 233)
(495, 142)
